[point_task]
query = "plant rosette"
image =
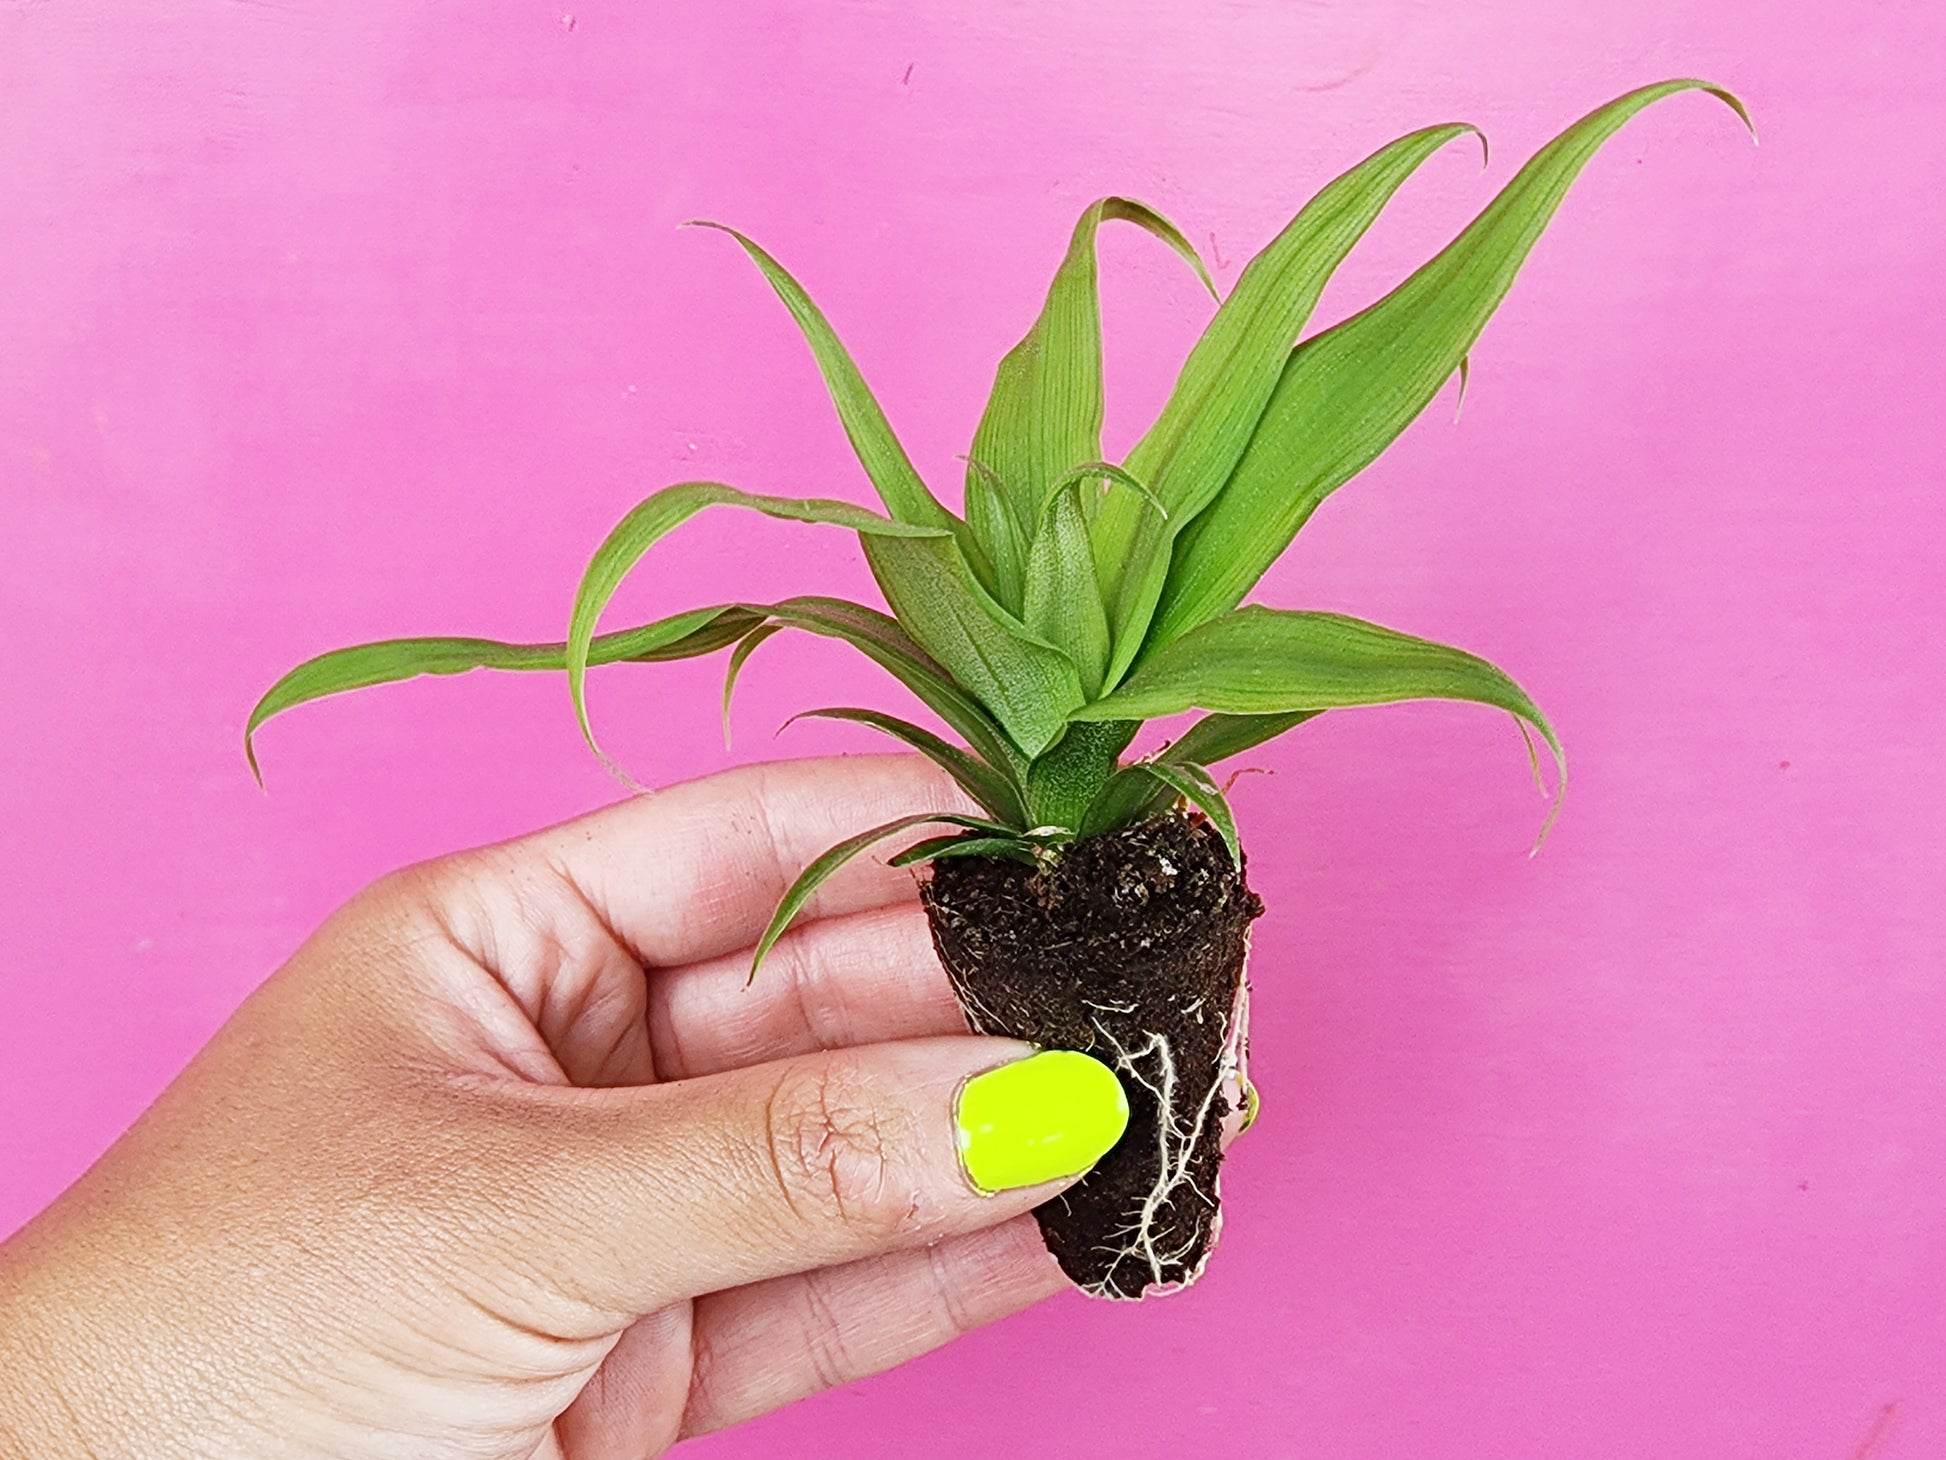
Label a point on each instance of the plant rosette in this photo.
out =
(1100, 902)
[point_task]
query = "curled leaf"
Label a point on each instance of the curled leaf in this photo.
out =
(1266, 661)
(360, 666)
(657, 515)
(990, 787)
(828, 862)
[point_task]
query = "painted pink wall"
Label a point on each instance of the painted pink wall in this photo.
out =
(323, 322)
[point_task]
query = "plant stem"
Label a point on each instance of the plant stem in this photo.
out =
(1061, 782)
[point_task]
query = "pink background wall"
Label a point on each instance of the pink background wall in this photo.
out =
(323, 322)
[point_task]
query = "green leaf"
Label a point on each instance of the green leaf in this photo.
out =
(682, 636)
(822, 867)
(1062, 783)
(1258, 661)
(990, 517)
(883, 641)
(1217, 737)
(685, 635)
(1114, 476)
(1063, 600)
(906, 496)
(1188, 454)
(1027, 683)
(1129, 799)
(1347, 393)
(1044, 415)
(1063, 605)
(935, 848)
(991, 788)
(657, 515)
(1196, 786)
(740, 656)
(1125, 798)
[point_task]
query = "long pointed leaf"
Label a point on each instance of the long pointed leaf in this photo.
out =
(1210, 739)
(1044, 415)
(1196, 786)
(990, 518)
(1218, 737)
(1028, 684)
(1146, 788)
(684, 635)
(656, 516)
(1346, 394)
(1063, 604)
(885, 643)
(1187, 455)
(822, 867)
(991, 788)
(906, 496)
(740, 656)
(937, 848)
(681, 636)
(1257, 661)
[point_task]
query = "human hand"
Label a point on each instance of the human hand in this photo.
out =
(462, 1180)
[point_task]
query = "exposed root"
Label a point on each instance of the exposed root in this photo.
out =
(1130, 948)
(979, 1017)
(1176, 1141)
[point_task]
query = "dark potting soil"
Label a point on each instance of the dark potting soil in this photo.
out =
(1130, 947)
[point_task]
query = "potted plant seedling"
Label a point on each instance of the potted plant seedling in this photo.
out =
(1099, 903)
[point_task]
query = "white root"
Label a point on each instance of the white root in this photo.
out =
(1238, 1090)
(1175, 1145)
(1176, 1142)
(1153, 1067)
(979, 1017)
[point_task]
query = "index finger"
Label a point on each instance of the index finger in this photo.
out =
(695, 871)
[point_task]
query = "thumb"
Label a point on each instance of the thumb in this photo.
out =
(669, 1191)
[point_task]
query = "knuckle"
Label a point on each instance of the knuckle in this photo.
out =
(413, 888)
(835, 1149)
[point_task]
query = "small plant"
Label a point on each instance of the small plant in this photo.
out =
(1100, 904)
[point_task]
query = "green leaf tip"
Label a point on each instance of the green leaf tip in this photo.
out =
(1486, 148)
(1192, 449)
(1346, 393)
(1731, 100)
(250, 755)
(1275, 662)
(739, 656)
(989, 785)
(827, 863)
(653, 518)
(361, 666)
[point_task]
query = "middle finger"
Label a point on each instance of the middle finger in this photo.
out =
(857, 979)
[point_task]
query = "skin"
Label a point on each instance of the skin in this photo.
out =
(508, 1161)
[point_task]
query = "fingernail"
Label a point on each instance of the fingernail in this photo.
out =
(1039, 1119)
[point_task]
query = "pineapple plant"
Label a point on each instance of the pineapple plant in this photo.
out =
(1100, 903)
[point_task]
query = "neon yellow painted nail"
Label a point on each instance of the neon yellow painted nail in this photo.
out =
(1050, 1115)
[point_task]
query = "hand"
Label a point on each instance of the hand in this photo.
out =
(509, 1161)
